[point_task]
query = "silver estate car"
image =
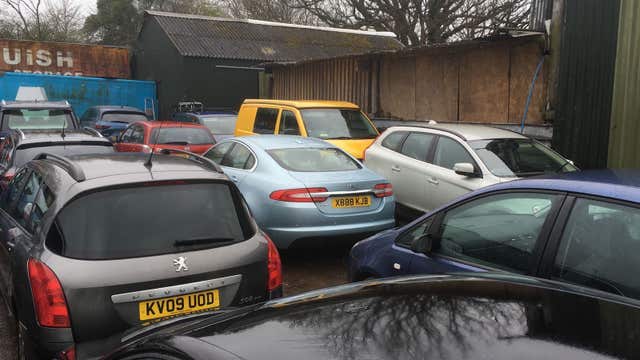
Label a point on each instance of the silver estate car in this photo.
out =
(429, 166)
(93, 245)
(305, 190)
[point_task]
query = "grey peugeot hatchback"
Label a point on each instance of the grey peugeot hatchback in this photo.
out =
(92, 245)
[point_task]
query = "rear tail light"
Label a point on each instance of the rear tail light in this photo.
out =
(8, 176)
(300, 195)
(48, 297)
(274, 266)
(383, 190)
(68, 354)
(102, 127)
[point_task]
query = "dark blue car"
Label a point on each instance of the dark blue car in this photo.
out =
(111, 120)
(222, 124)
(581, 228)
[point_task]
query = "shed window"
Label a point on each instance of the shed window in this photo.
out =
(265, 121)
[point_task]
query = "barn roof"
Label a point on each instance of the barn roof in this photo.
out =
(246, 39)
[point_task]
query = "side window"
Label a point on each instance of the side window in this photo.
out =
(240, 158)
(14, 189)
(265, 121)
(288, 123)
(498, 230)
(417, 145)
(409, 237)
(6, 153)
(126, 135)
(449, 152)
(22, 211)
(41, 204)
(216, 154)
(600, 248)
(137, 136)
(393, 141)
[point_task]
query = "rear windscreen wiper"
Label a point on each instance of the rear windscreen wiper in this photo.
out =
(201, 241)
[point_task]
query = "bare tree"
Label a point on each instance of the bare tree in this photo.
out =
(418, 22)
(285, 11)
(41, 20)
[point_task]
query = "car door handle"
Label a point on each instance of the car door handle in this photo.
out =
(433, 181)
(395, 168)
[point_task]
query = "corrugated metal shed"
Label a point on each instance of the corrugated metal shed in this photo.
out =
(624, 147)
(585, 84)
(540, 11)
(201, 36)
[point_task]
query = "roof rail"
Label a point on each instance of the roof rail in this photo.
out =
(92, 130)
(196, 158)
(19, 131)
(452, 132)
(69, 166)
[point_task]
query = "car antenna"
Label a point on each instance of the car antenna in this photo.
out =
(149, 163)
(64, 126)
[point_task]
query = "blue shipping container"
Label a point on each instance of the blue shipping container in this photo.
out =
(84, 92)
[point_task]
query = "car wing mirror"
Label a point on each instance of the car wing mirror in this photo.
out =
(466, 169)
(423, 244)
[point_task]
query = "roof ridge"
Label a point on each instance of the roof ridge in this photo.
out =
(271, 23)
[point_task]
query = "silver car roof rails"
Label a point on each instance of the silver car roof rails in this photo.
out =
(21, 133)
(195, 158)
(69, 166)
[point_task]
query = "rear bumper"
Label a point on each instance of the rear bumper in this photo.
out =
(285, 237)
(47, 343)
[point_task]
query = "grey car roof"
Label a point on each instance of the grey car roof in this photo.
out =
(103, 165)
(35, 104)
(34, 137)
(469, 132)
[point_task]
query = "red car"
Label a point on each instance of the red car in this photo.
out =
(147, 136)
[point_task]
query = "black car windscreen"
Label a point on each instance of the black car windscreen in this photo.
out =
(150, 220)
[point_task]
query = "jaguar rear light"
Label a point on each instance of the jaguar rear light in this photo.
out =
(102, 127)
(300, 195)
(383, 190)
(48, 297)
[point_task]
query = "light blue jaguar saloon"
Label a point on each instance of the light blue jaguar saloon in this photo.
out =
(305, 190)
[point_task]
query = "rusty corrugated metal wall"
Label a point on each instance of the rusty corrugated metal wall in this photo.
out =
(55, 58)
(346, 79)
(585, 82)
(624, 147)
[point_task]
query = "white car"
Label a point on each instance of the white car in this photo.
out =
(429, 166)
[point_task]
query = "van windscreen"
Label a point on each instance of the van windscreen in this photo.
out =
(337, 124)
(151, 220)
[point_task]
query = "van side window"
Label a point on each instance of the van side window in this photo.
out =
(265, 121)
(288, 123)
